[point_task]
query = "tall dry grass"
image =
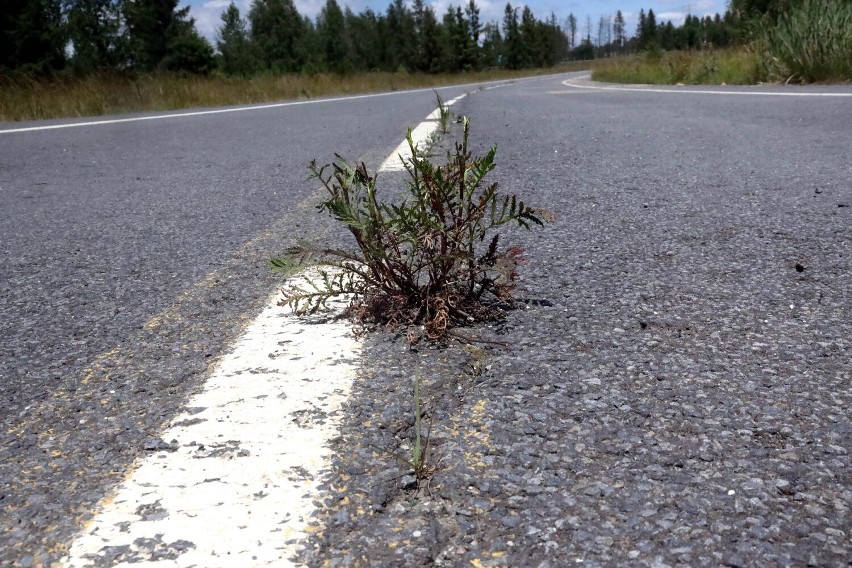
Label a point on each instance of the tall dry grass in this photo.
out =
(27, 98)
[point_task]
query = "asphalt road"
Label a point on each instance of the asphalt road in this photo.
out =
(675, 387)
(131, 254)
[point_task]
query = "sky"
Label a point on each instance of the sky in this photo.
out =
(207, 12)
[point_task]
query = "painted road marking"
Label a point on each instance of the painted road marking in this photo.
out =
(651, 89)
(234, 479)
(420, 136)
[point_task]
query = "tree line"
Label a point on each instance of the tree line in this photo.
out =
(611, 37)
(83, 36)
(274, 37)
(42, 37)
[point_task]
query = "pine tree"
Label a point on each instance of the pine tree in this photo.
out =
(492, 45)
(641, 30)
(603, 31)
(571, 29)
(471, 11)
(461, 52)
(618, 31)
(32, 38)
(428, 34)
(557, 42)
(367, 48)
(667, 36)
(334, 43)
(473, 56)
(93, 28)
(533, 50)
(237, 52)
(400, 48)
(652, 40)
(186, 50)
(514, 48)
(161, 36)
(278, 31)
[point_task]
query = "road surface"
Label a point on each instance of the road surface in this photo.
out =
(132, 255)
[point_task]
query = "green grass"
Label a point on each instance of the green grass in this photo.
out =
(730, 67)
(27, 98)
(810, 42)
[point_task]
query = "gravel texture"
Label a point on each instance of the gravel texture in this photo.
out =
(675, 385)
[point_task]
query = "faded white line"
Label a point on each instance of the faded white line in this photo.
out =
(420, 135)
(237, 484)
(687, 90)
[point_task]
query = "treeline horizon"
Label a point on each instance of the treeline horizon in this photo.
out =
(46, 37)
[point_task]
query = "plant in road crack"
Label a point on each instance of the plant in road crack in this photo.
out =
(443, 114)
(418, 451)
(432, 258)
(417, 462)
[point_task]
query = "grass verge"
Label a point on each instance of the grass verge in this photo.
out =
(810, 42)
(27, 98)
(730, 67)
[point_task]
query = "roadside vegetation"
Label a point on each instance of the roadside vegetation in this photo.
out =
(756, 41)
(65, 58)
(807, 41)
(72, 58)
(719, 67)
(34, 98)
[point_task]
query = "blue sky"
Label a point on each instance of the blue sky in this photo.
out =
(206, 12)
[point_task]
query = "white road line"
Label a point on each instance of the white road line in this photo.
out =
(236, 484)
(235, 109)
(420, 135)
(687, 90)
(248, 453)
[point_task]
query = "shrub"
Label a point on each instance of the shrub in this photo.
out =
(434, 259)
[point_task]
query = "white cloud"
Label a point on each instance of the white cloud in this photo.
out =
(208, 16)
(311, 8)
(216, 4)
(677, 18)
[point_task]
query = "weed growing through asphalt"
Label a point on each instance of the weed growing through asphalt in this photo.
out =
(417, 463)
(418, 451)
(443, 114)
(428, 263)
